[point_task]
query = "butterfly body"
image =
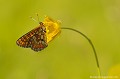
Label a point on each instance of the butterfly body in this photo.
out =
(35, 39)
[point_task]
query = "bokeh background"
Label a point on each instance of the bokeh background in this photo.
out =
(69, 56)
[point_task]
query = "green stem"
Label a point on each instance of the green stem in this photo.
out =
(90, 44)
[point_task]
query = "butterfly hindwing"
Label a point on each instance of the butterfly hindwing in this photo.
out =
(38, 42)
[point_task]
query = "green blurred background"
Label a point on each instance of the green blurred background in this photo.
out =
(69, 56)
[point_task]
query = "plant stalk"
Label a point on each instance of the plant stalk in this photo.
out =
(96, 57)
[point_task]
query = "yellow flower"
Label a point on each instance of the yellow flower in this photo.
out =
(52, 28)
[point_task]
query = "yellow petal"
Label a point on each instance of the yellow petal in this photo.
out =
(52, 28)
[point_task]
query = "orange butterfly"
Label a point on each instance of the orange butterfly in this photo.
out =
(35, 39)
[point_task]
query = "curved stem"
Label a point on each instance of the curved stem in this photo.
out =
(90, 44)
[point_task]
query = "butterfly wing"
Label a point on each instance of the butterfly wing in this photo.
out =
(24, 41)
(35, 39)
(38, 42)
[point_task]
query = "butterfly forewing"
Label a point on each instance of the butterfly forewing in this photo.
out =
(35, 39)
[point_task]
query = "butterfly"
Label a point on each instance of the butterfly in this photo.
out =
(35, 39)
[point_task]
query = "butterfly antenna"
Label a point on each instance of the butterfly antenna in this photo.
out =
(33, 18)
(38, 18)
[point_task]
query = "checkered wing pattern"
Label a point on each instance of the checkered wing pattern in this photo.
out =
(35, 39)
